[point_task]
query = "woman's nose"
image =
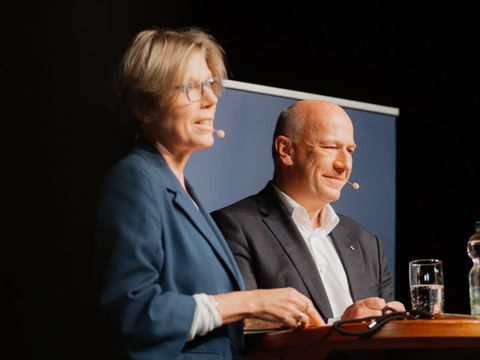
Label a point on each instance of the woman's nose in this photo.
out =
(208, 98)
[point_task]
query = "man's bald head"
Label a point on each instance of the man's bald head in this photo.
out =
(291, 121)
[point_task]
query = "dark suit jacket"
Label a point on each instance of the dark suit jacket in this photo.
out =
(271, 252)
(157, 250)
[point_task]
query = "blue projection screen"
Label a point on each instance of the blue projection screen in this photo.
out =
(240, 164)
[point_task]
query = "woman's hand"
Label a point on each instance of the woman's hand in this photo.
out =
(285, 306)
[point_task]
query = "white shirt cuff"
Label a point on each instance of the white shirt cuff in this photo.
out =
(206, 316)
(332, 320)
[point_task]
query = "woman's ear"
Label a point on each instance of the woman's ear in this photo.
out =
(284, 150)
(143, 115)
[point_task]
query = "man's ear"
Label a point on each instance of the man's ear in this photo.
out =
(284, 150)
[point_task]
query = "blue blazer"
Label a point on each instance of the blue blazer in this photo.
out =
(157, 250)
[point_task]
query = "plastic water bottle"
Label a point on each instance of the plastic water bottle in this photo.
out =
(473, 248)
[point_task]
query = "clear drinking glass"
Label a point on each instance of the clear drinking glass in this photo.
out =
(426, 285)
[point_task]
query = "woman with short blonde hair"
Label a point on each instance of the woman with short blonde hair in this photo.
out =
(170, 283)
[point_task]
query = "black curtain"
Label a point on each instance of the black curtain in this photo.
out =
(62, 132)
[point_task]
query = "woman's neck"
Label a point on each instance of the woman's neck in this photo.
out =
(176, 161)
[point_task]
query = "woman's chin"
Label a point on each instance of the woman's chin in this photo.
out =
(204, 142)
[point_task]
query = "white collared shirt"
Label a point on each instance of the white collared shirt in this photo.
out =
(323, 252)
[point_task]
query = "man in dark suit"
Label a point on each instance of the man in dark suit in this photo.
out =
(289, 235)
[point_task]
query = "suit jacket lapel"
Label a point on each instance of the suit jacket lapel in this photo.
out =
(349, 251)
(283, 228)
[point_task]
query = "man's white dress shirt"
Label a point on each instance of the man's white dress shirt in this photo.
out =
(323, 252)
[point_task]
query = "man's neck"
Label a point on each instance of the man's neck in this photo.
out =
(315, 218)
(314, 211)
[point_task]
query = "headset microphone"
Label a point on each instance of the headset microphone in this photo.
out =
(355, 185)
(220, 133)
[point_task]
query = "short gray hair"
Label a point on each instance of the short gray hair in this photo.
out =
(290, 124)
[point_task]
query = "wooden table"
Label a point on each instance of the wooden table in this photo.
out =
(450, 336)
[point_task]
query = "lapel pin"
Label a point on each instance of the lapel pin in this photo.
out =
(352, 248)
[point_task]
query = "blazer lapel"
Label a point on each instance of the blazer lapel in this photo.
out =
(198, 217)
(284, 229)
(199, 220)
(350, 254)
(217, 241)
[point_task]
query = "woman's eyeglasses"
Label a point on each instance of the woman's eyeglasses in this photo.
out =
(195, 89)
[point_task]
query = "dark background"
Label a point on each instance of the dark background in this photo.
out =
(62, 132)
